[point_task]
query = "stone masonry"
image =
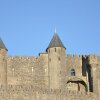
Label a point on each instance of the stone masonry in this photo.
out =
(52, 75)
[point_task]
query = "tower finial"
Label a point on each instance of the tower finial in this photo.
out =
(55, 30)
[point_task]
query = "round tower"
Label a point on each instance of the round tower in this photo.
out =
(3, 63)
(57, 63)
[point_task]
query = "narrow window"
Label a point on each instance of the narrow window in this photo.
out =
(50, 59)
(59, 58)
(72, 72)
(55, 49)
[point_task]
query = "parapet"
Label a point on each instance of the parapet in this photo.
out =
(74, 60)
(21, 57)
(92, 59)
(74, 56)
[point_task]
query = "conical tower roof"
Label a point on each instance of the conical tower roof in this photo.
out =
(2, 45)
(56, 42)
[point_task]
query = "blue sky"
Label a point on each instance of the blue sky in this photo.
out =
(27, 26)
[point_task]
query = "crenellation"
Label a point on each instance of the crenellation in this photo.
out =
(74, 61)
(84, 56)
(92, 59)
(70, 56)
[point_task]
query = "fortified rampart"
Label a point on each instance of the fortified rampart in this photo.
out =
(52, 75)
(20, 92)
(27, 70)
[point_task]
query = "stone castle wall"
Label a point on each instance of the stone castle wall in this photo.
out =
(75, 62)
(34, 70)
(50, 76)
(28, 79)
(28, 70)
(20, 92)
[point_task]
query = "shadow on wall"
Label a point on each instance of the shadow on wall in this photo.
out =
(76, 84)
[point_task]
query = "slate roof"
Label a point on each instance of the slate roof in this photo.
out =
(2, 45)
(56, 42)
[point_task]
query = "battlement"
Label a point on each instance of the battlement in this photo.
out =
(26, 58)
(75, 56)
(21, 57)
(92, 59)
(75, 60)
(92, 56)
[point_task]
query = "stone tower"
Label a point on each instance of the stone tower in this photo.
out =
(57, 63)
(3, 63)
(94, 68)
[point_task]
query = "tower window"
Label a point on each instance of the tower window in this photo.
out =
(72, 72)
(55, 49)
(59, 58)
(49, 59)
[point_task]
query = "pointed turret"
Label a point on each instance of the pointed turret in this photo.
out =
(3, 63)
(2, 46)
(56, 63)
(56, 42)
